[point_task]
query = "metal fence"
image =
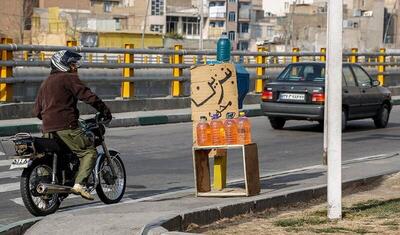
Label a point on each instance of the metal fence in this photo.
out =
(177, 60)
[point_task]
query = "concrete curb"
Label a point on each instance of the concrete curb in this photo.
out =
(19, 227)
(11, 130)
(208, 215)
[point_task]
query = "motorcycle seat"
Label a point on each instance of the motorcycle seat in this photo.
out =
(46, 145)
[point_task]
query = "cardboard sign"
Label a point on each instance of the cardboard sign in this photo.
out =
(213, 91)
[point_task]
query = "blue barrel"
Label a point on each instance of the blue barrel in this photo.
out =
(243, 83)
(224, 48)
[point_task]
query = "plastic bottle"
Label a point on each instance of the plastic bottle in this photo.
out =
(244, 129)
(231, 129)
(203, 131)
(217, 131)
(224, 48)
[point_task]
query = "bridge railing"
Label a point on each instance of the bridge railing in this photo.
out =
(178, 59)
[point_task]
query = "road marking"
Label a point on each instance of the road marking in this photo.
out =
(9, 187)
(127, 200)
(5, 162)
(10, 174)
(264, 176)
(19, 201)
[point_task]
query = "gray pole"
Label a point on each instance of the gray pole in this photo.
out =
(201, 24)
(145, 22)
(334, 109)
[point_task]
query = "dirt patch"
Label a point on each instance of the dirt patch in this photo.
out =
(372, 209)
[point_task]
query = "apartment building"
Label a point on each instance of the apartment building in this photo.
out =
(236, 17)
(15, 20)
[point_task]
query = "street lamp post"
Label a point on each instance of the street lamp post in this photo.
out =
(201, 24)
(334, 108)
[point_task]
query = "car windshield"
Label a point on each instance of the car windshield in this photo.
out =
(303, 72)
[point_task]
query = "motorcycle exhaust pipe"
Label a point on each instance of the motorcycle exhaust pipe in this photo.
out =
(52, 189)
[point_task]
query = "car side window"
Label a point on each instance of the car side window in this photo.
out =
(362, 77)
(348, 77)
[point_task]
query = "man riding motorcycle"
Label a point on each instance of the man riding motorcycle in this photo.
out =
(56, 106)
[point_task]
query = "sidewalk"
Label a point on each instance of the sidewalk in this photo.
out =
(176, 210)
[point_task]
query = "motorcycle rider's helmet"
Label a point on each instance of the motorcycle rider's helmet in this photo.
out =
(62, 60)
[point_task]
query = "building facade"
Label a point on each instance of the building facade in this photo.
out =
(16, 17)
(235, 17)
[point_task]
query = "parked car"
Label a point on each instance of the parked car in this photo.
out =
(299, 94)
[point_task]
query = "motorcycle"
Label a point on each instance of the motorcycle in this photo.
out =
(49, 169)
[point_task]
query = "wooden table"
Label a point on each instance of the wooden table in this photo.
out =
(202, 171)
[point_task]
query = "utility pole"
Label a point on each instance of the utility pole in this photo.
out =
(334, 108)
(145, 22)
(201, 23)
(289, 28)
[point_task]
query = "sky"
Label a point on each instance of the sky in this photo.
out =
(278, 6)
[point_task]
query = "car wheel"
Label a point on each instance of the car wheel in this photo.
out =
(382, 118)
(277, 123)
(344, 120)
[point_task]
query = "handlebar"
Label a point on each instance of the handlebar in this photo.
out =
(100, 119)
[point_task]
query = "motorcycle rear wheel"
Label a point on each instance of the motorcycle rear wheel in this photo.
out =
(38, 205)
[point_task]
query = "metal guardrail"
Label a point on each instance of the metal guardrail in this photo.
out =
(177, 60)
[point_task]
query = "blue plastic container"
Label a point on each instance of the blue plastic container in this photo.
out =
(224, 48)
(243, 83)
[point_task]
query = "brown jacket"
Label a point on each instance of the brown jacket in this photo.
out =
(56, 102)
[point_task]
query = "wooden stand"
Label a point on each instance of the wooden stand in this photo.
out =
(202, 171)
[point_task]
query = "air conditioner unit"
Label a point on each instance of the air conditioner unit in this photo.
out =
(348, 24)
(357, 13)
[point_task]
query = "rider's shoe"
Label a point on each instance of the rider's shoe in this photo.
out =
(80, 190)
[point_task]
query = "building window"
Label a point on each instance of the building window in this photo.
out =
(117, 24)
(244, 28)
(107, 6)
(156, 28)
(232, 16)
(191, 26)
(215, 4)
(172, 24)
(232, 0)
(243, 46)
(218, 24)
(231, 35)
(270, 31)
(157, 7)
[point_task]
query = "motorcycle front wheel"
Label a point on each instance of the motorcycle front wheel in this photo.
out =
(38, 205)
(111, 188)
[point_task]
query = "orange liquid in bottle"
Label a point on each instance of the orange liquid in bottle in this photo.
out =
(217, 131)
(203, 131)
(244, 130)
(231, 130)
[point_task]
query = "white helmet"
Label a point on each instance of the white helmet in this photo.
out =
(62, 60)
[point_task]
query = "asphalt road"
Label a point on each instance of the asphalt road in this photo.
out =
(158, 158)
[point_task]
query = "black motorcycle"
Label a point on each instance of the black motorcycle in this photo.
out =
(49, 169)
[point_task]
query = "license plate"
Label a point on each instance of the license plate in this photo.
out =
(20, 163)
(291, 96)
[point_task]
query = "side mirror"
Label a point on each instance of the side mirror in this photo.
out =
(376, 83)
